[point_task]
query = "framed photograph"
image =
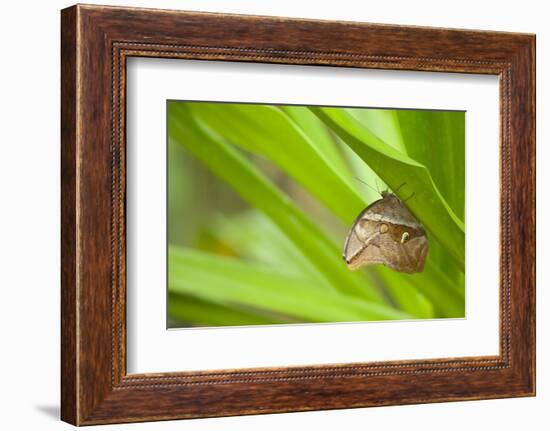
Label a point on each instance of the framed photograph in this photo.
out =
(264, 214)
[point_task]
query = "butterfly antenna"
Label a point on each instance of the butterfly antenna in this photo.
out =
(368, 185)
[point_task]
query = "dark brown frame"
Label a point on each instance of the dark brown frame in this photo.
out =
(96, 41)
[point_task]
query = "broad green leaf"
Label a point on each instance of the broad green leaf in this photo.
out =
(436, 139)
(406, 295)
(229, 281)
(437, 292)
(268, 131)
(323, 140)
(396, 168)
(236, 170)
(255, 237)
(188, 309)
(239, 123)
(446, 295)
(258, 238)
(384, 123)
(369, 183)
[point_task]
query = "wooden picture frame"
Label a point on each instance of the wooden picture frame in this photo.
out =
(95, 43)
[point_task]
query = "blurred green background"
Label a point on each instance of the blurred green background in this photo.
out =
(261, 197)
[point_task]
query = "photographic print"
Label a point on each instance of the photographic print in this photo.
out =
(281, 214)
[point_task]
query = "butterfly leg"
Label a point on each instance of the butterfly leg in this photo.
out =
(397, 189)
(410, 197)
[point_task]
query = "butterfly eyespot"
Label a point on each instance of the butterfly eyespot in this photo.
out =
(375, 236)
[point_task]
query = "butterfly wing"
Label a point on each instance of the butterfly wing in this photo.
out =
(376, 237)
(362, 237)
(408, 257)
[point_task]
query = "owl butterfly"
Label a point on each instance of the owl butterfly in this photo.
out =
(386, 233)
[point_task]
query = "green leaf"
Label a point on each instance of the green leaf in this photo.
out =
(229, 281)
(324, 141)
(396, 168)
(231, 166)
(384, 123)
(255, 237)
(437, 292)
(445, 293)
(268, 131)
(436, 139)
(188, 309)
(407, 296)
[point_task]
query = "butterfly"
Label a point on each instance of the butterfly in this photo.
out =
(387, 233)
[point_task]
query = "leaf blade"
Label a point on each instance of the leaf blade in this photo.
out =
(255, 188)
(228, 281)
(396, 168)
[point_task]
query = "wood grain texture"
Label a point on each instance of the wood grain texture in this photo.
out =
(96, 41)
(69, 397)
